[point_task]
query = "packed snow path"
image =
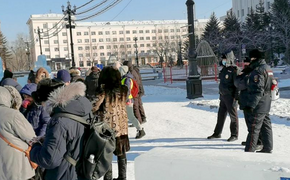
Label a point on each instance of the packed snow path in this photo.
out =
(174, 121)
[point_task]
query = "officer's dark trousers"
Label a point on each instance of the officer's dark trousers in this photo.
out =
(227, 106)
(259, 123)
(138, 109)
(247, 116)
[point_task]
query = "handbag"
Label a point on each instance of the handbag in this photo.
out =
(26, 152)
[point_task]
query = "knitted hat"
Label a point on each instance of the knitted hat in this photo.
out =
(95, 69)
(123, 70)
(63, 75)
(128, 63)
(7, 74)
(28, 89)
(117, 65)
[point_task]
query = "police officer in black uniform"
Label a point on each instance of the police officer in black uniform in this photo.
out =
(258, 103)
(241, 84)
(228, 97)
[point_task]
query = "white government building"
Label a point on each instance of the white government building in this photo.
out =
(241, 8)
(97, 42)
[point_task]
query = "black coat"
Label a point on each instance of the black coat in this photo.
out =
(259, 87)
(227, 77)
(241, 82)
(63, 135)
(92, 85)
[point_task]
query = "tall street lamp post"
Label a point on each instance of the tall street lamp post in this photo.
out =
(69, 11)
(136, 46)
(193, 82)
(39, 37)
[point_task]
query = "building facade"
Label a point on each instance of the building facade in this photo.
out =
(98, 42)
(241, 8)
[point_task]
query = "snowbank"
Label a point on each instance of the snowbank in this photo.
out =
(189, 164)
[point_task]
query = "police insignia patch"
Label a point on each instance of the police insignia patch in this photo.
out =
(227, 77)
(256, 78)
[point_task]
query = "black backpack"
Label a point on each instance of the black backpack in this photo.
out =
(99, 140)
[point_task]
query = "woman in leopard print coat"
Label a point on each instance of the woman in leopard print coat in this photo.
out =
(110, 106)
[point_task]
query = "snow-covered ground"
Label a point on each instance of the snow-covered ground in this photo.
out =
(176, 122)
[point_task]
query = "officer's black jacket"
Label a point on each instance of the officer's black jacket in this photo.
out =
(259, 87)
(241, 82)
(227, 76)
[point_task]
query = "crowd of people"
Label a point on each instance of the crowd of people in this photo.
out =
(113, 95)
(28, 122)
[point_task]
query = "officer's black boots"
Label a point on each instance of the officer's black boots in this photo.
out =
(214, 136)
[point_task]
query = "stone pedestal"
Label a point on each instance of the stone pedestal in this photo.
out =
(194, 88)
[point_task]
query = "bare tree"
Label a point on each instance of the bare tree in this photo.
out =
(282, 30)
(20, 61)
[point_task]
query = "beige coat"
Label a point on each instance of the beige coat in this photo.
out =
(16, 129)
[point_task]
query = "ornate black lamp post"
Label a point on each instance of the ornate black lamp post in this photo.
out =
(193, 82)
(70, 12)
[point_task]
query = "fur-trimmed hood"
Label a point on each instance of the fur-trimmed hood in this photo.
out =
(40, 74)
(69, 99)
(10, 97)
(74, 72)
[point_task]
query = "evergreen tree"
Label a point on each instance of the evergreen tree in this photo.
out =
(212, 33)
(5, 54)
(252, 21)
(232, 35)
(256, 29)
(262, 15)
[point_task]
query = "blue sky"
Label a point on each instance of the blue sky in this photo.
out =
(15, 13)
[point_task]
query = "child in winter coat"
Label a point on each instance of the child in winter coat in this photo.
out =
(35, 114)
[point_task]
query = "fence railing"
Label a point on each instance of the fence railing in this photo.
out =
(171, 74)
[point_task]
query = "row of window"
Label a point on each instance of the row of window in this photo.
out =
(115, 39)
(109, 53)
(121, 46)
(127, 39)
(86, 33)
(80, 48)
(101, 54)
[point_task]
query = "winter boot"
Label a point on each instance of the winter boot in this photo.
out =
(140, 133)
(232, 138)
(264, 151)
(122, 169)
(214, 136)
(109, 174)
